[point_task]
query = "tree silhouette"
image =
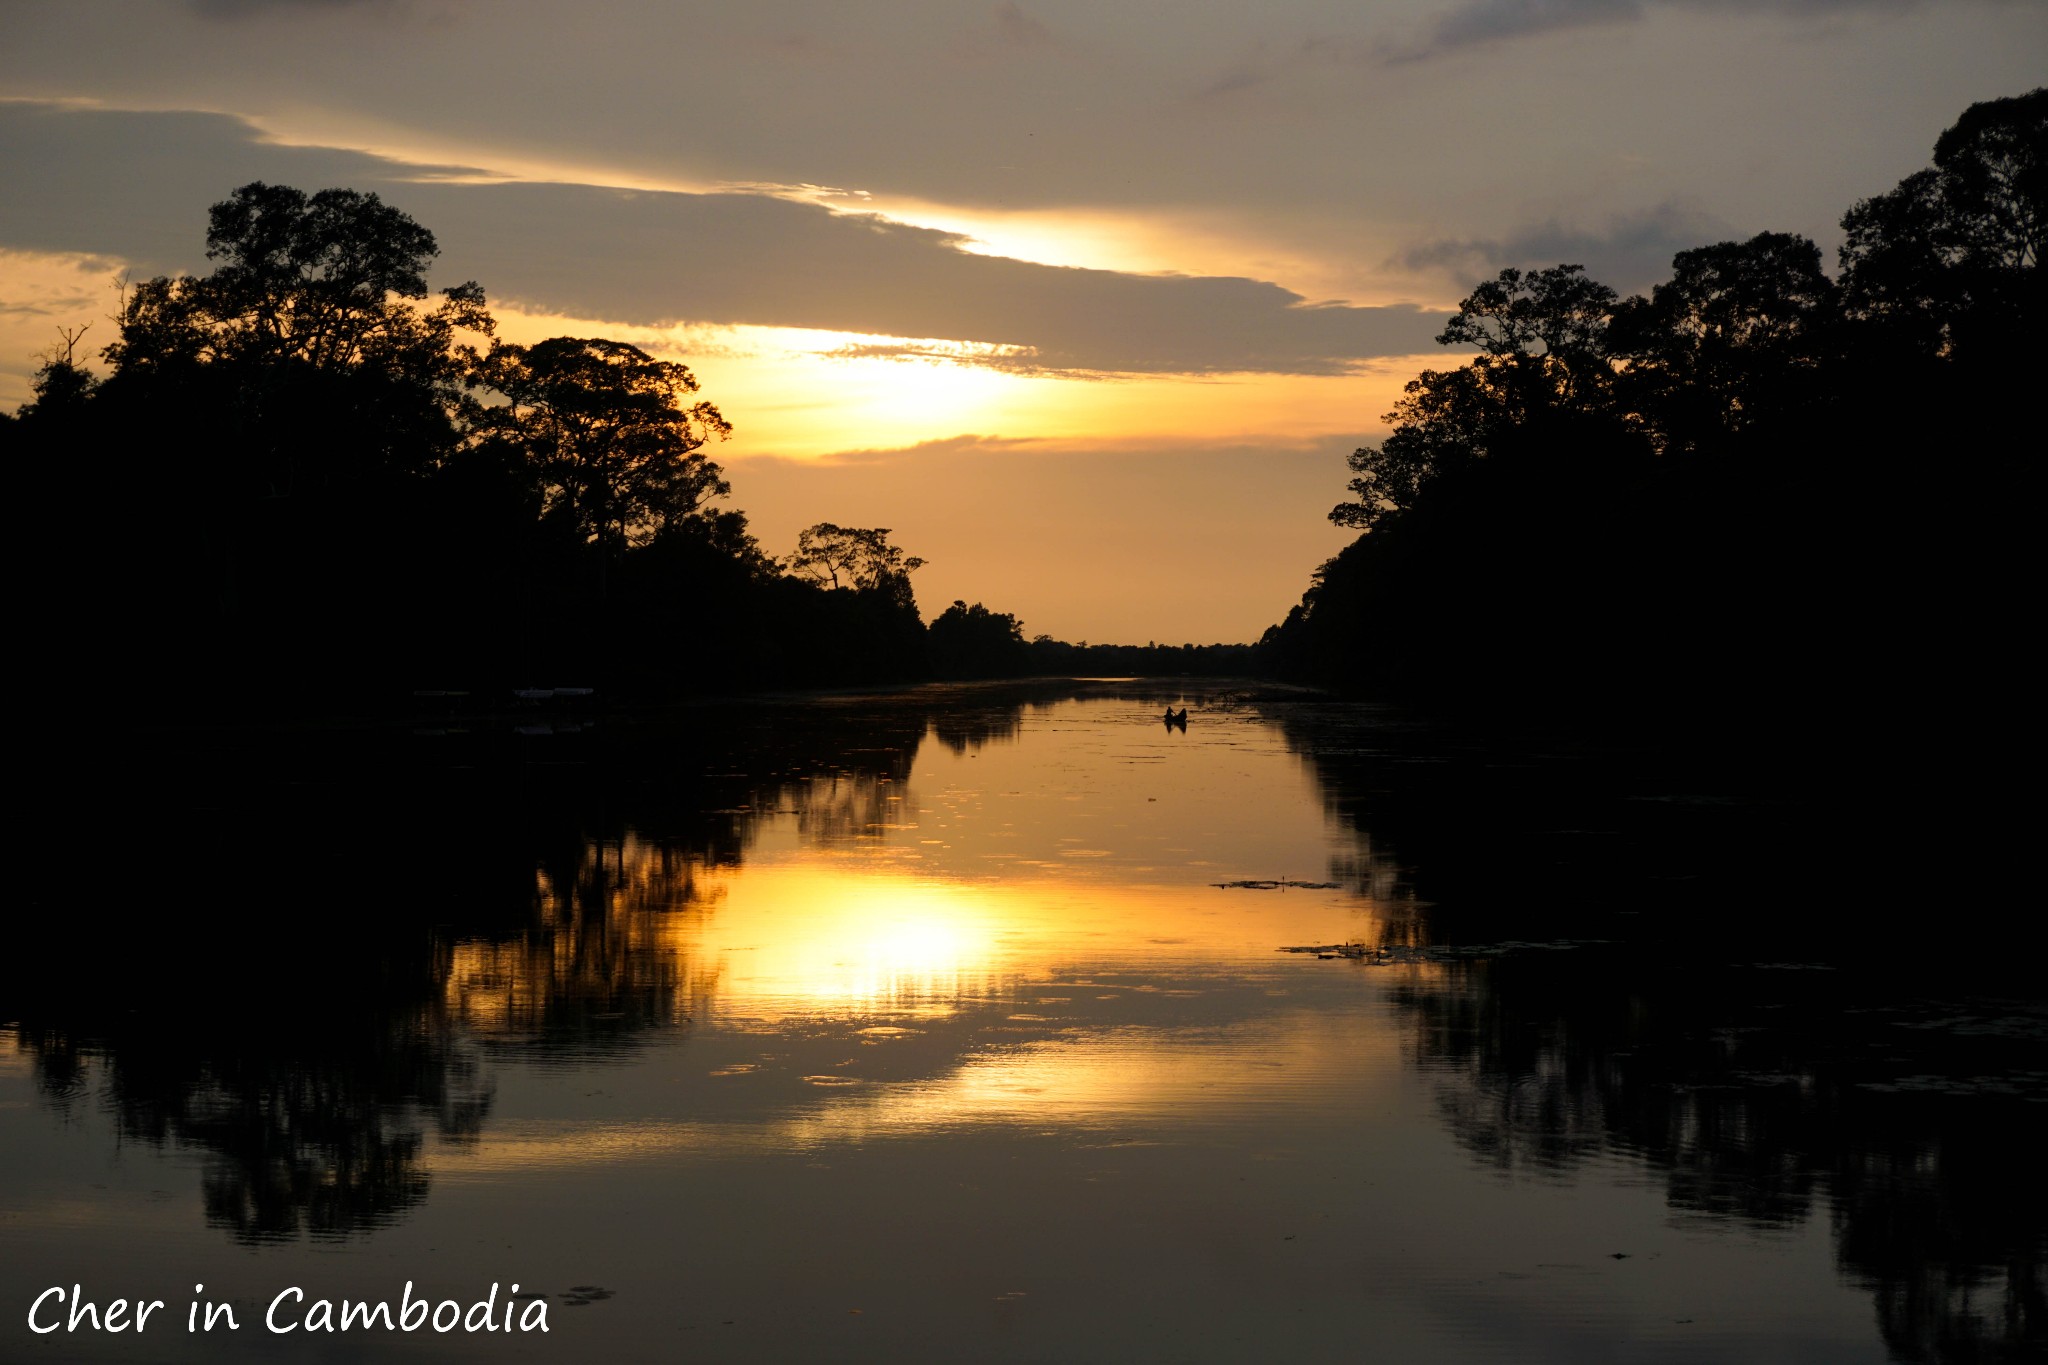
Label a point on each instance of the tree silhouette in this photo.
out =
(314, 278)
(1951, 257)
(851, 557)
(1543, 353)
(1732, 337)
(312, 308)
(605, 430)
(1707, 509)
(1559, 309)
(974, 642)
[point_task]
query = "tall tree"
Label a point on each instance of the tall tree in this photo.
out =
(851, 557)
(1952, 257)
(1542, 341)
(328, 280)
(1547, 327)
(1729, 339)
(308, 339)
(609, 432)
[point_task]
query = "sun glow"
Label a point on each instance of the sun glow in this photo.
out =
(803, 393)
(1158, 241)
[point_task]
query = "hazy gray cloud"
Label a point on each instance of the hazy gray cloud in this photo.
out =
(1479, 22)
(1630, 253)
(925, 101)
(1490, 21)
(1008, 33)
(652, 258)
(137, 185)
(1808, 9)
(237, 9)
(1021, 29)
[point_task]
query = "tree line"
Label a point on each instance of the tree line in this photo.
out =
(305, 480)
(1757, 490)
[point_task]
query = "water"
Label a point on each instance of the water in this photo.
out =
(956, 1026)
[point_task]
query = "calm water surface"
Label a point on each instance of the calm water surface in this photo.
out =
(957, 1027)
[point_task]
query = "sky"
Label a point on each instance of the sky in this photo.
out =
(1086, 302)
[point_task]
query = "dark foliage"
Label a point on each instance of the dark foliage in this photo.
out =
(974, 642)
(1758, 501)
(317, 488)
(314, 489)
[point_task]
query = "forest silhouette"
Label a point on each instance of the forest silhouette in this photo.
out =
(1735, 505)
(319, 487)
(1758, 497)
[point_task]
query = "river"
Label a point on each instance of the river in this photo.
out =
(972, 1023)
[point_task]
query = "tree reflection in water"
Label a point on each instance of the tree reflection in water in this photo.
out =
(1763, 1101)
(373, 936)
(305, 1131)
(595, 971)
(1722, 1017)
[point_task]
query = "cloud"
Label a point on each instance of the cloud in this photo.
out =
(1008, 34)
(136, 185)
(657, 258)
(1477, 23)
(1020, 29)
(239, 9)
(946, 446)
(1492, 21)
(1630, 253)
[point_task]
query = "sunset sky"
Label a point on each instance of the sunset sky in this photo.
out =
(1086, 301)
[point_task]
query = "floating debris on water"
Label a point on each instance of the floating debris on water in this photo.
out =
(2031, 1086)
(1357, 952)
(1279, 884)
(1376, 956)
